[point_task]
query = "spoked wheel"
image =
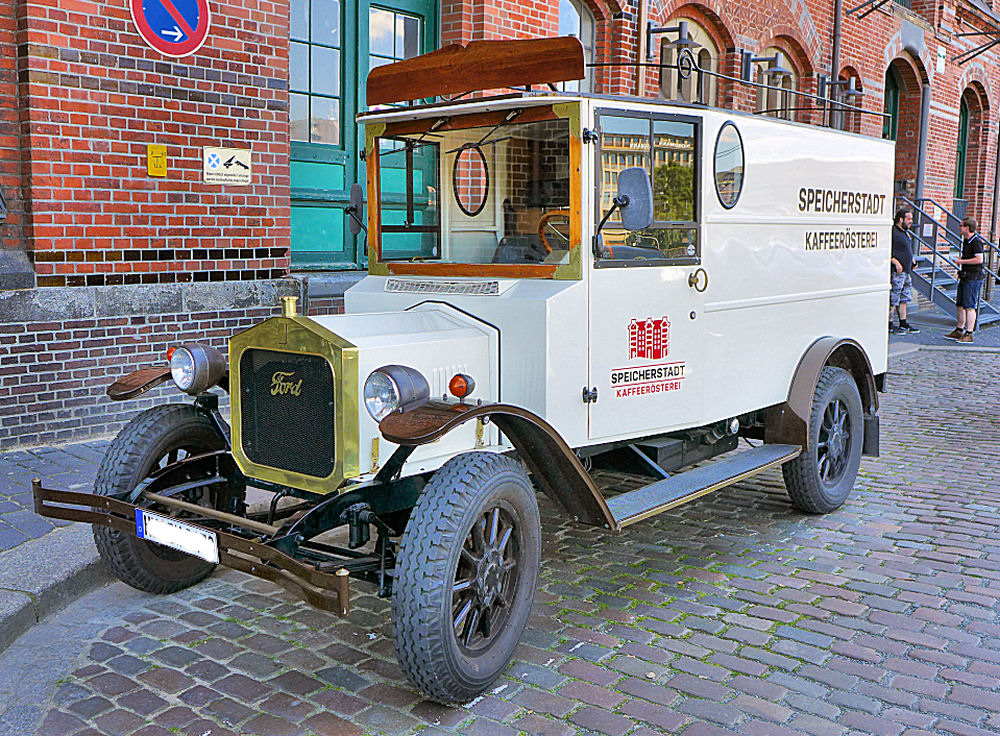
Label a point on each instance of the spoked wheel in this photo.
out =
(820, 479)
(152, 440)
(834, 449)
(487, 576)
(466, 576)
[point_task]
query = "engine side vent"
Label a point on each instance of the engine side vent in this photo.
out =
(428, 286)
(287, 411)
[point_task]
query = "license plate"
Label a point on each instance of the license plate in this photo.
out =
(177, 535)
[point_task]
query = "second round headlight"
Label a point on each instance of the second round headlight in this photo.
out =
(394, 388)
(381, 395)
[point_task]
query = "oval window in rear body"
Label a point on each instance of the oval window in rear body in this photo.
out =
(729, 162)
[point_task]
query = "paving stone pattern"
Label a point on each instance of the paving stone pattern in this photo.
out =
(732, 614)
(67, 468)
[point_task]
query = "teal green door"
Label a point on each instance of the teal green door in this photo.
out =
(333, 44)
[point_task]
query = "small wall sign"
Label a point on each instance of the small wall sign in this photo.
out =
(156, 159)
(226, 166)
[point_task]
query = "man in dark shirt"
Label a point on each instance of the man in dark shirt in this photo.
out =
(970, 279)
(899, 271)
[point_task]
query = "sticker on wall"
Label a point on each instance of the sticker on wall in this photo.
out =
(156, 159)
(226, 166)
(172, 27)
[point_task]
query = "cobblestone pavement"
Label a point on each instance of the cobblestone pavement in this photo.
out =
(70, 467)
(732, 614)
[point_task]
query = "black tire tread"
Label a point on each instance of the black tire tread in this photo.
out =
(435, 518)
(126, 454)
(799, 474)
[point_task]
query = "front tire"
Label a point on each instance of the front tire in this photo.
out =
(154, 438)
(820, 479)
(466, 576)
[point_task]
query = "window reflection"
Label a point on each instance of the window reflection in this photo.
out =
(314, 71)
(667, 150)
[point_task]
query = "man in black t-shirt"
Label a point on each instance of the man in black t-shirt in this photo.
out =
(970, 280)
(899, 272)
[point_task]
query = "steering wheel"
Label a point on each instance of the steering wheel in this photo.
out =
(544, 223)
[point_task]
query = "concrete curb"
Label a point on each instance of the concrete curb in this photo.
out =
(44, 575)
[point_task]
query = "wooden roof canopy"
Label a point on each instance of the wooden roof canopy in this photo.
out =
(457, 69)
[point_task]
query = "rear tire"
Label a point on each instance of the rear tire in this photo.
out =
(821, 478)
(466, 576)
(157, 436)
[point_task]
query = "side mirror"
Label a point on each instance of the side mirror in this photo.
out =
(356, 208)
(635, 198)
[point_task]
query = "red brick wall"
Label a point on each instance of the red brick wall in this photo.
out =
(12, 233)
(94, 94)
(54, 372)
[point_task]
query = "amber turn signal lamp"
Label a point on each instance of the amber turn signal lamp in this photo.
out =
(461, 385)
(170, 353)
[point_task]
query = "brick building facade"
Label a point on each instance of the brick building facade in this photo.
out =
(103, 265)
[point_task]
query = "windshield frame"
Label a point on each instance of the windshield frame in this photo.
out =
(569, 111)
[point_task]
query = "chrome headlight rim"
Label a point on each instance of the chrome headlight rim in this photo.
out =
(409, 390)
(195, 367)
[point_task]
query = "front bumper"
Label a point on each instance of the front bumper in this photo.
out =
(326, 591)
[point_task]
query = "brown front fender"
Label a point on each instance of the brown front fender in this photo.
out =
(548, 457)
(788, 423)
(138, 382)
(142, 380)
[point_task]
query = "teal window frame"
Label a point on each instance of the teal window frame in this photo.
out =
(891, 106)
(307, 186)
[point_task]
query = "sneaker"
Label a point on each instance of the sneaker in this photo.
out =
(965, 339)
(908, 328)
(954, 334)
(894, 330)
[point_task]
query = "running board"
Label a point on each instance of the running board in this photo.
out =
(628, 508)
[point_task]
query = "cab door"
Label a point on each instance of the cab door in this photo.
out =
(646, 303)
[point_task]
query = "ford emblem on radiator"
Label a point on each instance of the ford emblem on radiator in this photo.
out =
(282, 383)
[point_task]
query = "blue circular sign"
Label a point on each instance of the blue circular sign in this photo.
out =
(172, 27)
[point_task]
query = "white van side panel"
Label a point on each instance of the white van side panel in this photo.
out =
(802, 255)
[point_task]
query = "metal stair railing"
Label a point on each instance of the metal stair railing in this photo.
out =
(951, 239)
(951, 234)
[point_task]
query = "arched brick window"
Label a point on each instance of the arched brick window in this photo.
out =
(778, 102)
(697, 87)
(575, 19)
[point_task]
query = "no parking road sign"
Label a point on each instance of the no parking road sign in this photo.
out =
(172, 27)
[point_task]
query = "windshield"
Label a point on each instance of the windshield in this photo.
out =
(495, 194)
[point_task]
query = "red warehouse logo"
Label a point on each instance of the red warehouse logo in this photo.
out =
(649, 338)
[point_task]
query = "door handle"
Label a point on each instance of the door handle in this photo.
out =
(695, 278)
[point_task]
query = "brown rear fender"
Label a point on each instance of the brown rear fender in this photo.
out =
(550, 460)
(788, 423)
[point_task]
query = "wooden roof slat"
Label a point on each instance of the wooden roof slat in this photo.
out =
(457, 69)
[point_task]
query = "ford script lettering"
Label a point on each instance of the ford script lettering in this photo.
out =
(282, 383)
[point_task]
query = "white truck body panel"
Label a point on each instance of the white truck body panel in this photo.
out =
(781, 275)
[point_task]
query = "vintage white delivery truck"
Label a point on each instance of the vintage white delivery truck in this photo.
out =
(557, 282)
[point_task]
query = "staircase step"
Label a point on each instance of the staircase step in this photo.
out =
(628, 508)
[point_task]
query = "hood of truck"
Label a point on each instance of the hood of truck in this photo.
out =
(297, 386)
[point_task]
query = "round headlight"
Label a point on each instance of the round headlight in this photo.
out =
(196, 368)
(182, 368)
(394, 388)
(381, 395)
